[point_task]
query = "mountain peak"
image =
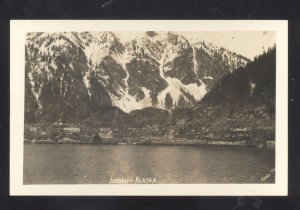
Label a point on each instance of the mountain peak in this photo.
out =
(177, 39)
(160, 69)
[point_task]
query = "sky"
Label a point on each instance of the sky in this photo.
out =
(246, 43)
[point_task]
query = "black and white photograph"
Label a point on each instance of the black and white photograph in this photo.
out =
(169, 106)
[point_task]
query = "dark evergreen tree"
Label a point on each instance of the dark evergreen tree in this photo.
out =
(96, 139)
(168, 101)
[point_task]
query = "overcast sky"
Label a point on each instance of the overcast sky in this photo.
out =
(246, 43)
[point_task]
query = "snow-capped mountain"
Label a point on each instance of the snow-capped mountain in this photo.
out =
(79, 72)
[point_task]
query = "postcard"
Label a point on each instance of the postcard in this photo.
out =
(148, 107)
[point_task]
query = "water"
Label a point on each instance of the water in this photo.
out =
(91, 164)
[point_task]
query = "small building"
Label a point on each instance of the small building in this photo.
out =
(209, 135)
(33, 128)
(239, 129)
(267, 127)
(271, 144)
(181, 122)
(170, 135)
(58, 124)
(47, 141)
(65, 140)
(43, 133)
(105, 133)
(72, 129)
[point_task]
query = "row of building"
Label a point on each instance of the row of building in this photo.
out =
(69, 133)
(66, 133)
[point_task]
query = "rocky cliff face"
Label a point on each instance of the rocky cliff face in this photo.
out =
(70, 75)
(56, 69)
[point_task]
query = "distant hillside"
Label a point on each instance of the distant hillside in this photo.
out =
(114, 117)
(244, 99)
(255, 83)
(109, 116)
(150, 116)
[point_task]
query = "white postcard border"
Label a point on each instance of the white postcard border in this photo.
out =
(18, 30)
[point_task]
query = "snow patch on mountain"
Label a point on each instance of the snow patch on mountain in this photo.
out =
(127, 102)
(35, 89)
(87, 84)
(195, 64)
(175, 87)
(157, 50)
(252, 87)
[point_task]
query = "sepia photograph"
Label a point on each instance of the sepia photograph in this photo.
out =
(180, 105)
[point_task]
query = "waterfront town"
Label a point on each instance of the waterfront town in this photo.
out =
(76, 133)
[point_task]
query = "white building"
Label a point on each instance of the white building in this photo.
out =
(105, 133)
(33, 128)
(72, 129)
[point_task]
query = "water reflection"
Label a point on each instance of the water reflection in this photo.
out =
(79, 164)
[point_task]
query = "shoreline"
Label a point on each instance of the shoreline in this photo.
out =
(165, 144)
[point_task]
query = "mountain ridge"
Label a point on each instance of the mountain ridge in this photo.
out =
(162, 70)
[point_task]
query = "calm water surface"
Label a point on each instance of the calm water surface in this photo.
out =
(90, 164)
